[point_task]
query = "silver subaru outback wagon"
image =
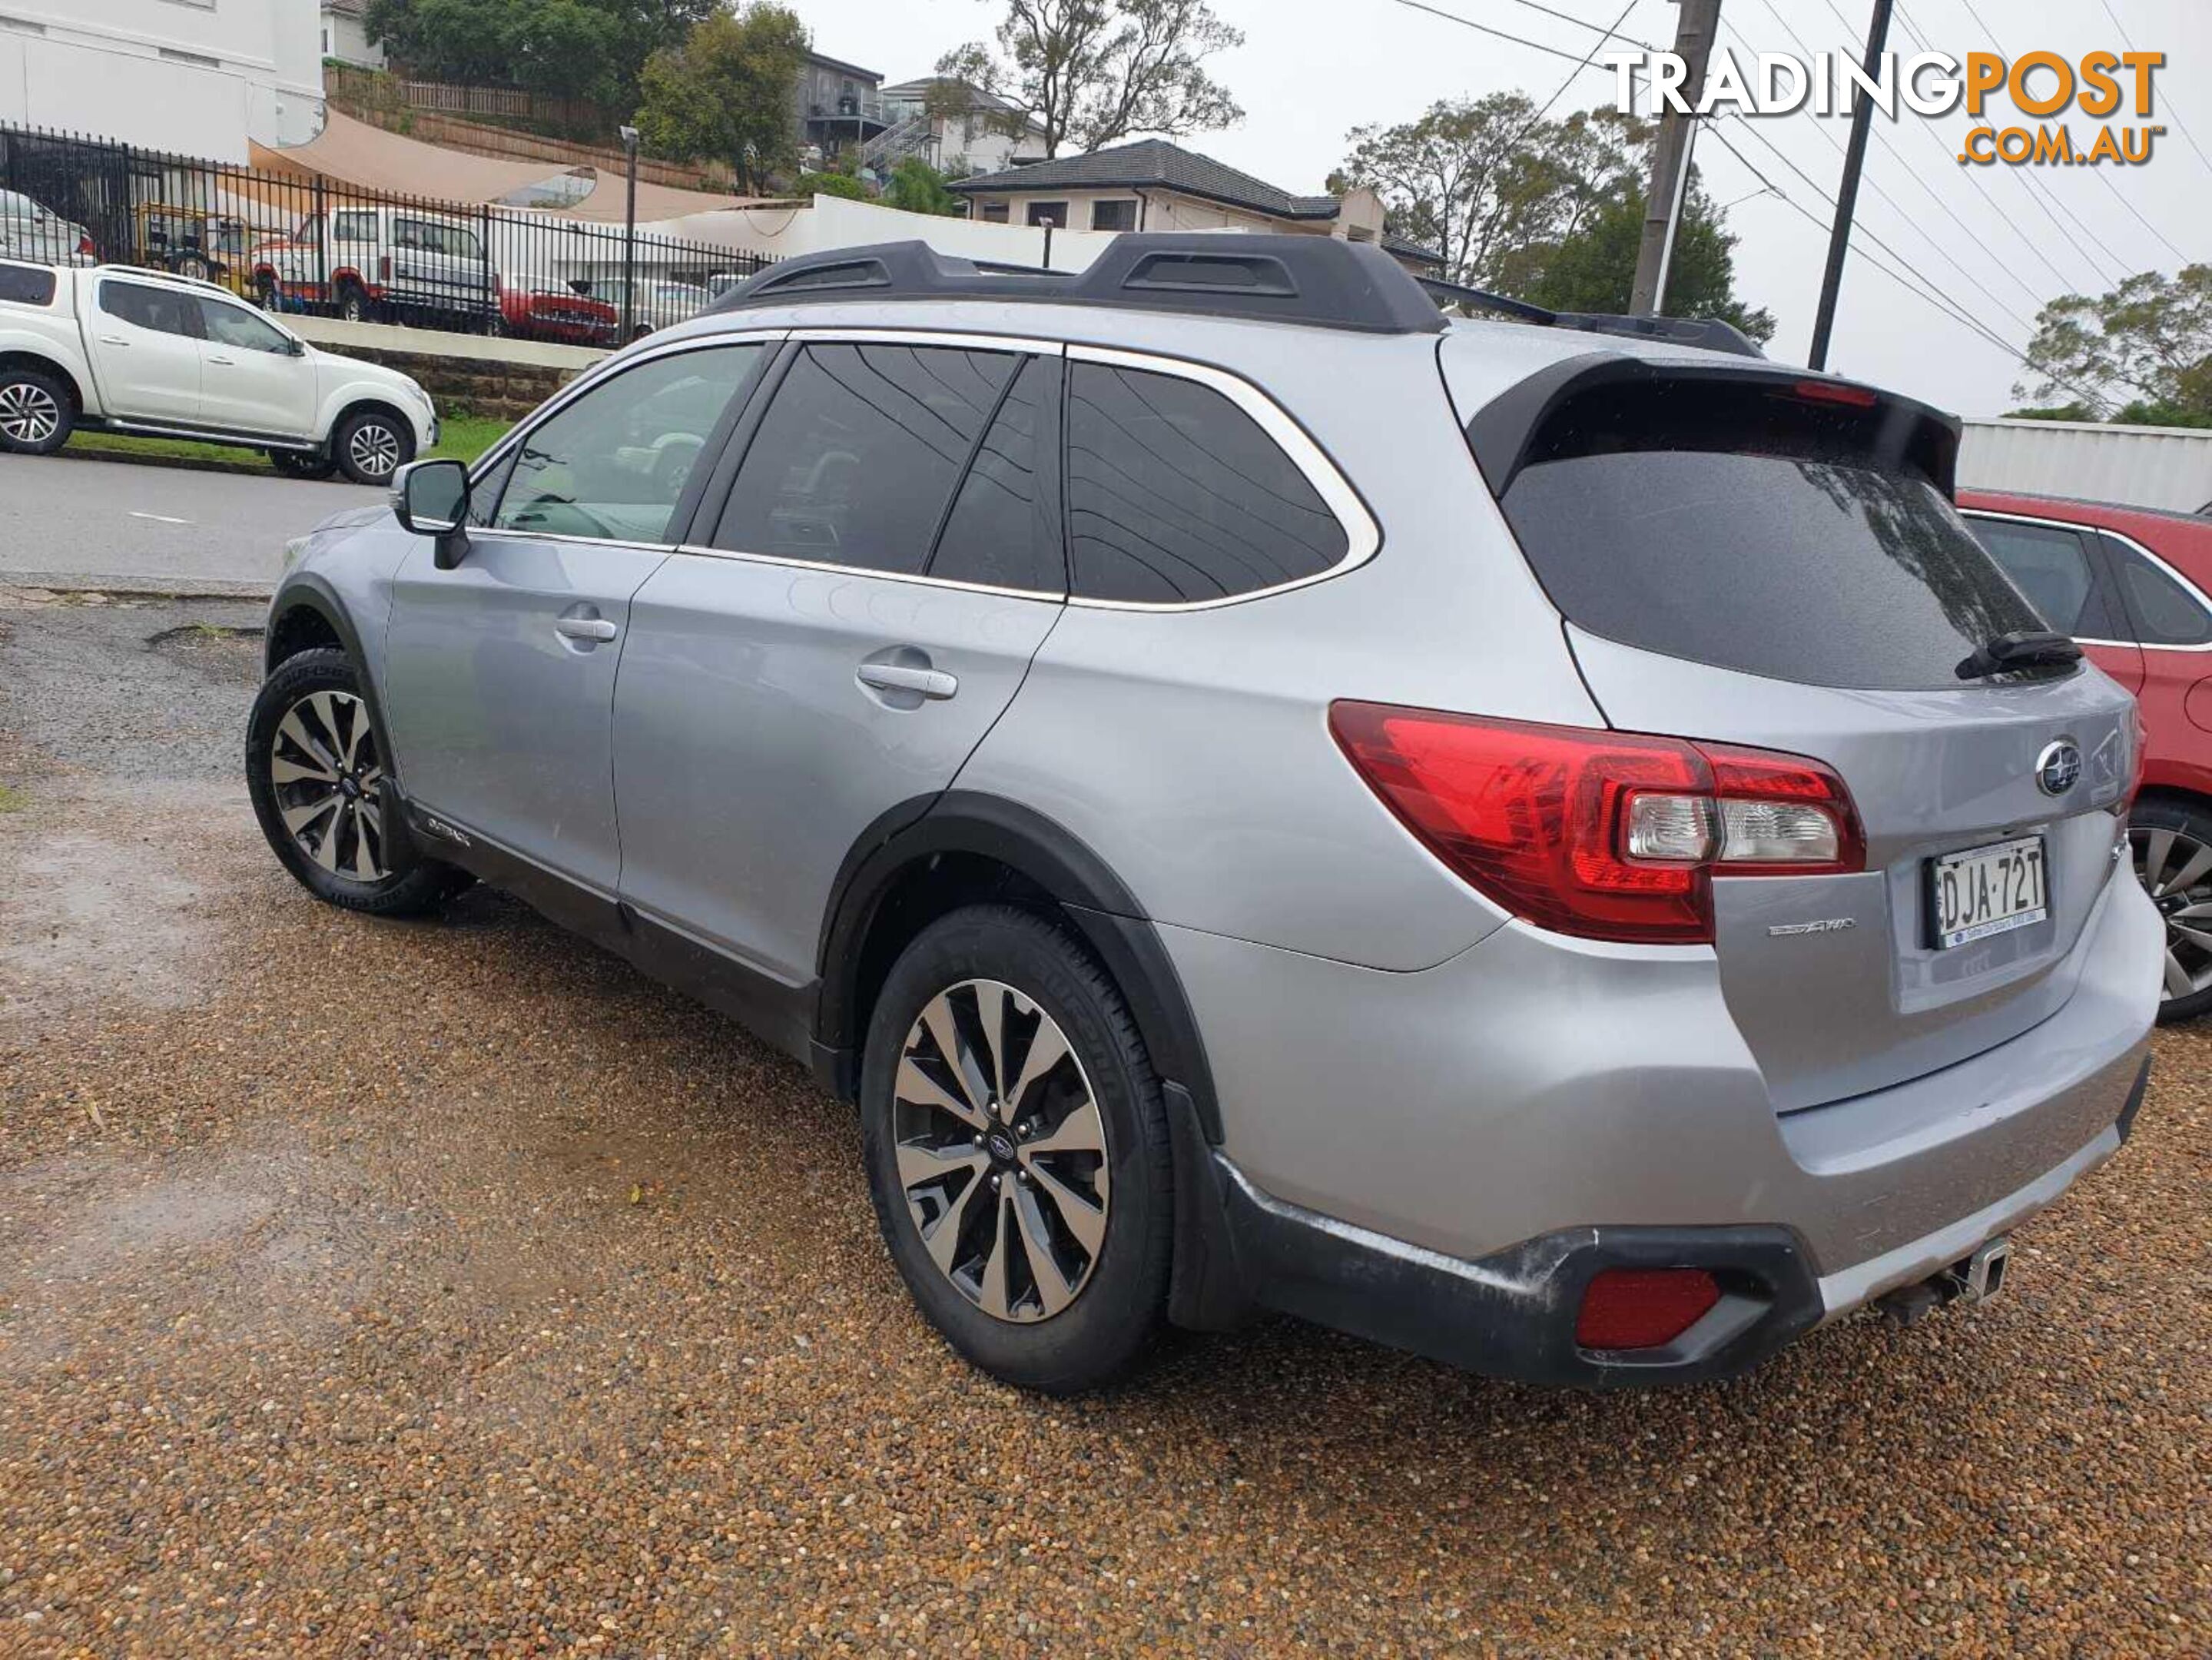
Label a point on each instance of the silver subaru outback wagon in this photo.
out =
(1544, 843)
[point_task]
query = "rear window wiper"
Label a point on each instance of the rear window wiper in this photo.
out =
(2021, 649)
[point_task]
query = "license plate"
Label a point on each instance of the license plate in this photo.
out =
(1985, 891)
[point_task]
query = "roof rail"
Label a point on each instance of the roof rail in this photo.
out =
(1317, 281)
(1710, 334)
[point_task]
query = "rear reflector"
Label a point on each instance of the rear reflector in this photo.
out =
(1603, 834)
(1643, 1308)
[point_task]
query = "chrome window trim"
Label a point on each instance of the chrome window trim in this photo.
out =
(1044, 596)
(599, 374)
(959, 339)
(1362, 536)
(2124, 540)
(486, 534)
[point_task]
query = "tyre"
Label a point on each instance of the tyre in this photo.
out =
(371, 445)
(1017, 1150)
(292, 464)
(353, 305)
(36, 411)
(2171, 840)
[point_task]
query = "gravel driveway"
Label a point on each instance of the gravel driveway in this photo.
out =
(379, 1289)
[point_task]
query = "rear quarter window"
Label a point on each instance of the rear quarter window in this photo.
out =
(26, 285)
(1737, 528)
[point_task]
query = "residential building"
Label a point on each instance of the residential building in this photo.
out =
(973, 131)
(836, 104)
(345, 36)
(198, 77)
(1155, 186)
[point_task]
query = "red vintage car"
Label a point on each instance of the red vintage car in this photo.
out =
(2132, 585)
(544, 308)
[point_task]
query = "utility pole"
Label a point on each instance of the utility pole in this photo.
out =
(1695, 33)
(630, 234)
(1847, 197)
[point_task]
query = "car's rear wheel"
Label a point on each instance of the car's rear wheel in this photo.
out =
(36, 411)
(371, 445)
(2172, 845)
(314, 768)
(1017, 1150)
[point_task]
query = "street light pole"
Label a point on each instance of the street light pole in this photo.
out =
(629, 233)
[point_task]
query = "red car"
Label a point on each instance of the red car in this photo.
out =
(541, 308)
(2132, 585)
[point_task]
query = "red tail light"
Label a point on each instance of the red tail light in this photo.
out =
(1602, 835)
(85, 247)
(1643, 1308)
(1838, 392)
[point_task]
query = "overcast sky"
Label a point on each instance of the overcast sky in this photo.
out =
(1311, 70)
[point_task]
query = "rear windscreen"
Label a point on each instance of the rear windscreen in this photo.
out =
(1752, 530)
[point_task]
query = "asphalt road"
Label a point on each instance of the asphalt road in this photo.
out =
(122, 521)
(445, 1288)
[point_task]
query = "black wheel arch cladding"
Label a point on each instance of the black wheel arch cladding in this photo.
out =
(1100, 907)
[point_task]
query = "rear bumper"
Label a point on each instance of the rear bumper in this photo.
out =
(1512, 1314)
(1432, 1159)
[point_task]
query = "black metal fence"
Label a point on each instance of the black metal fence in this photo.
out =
(295, 242)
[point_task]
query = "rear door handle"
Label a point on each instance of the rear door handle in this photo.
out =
(586, 628)
(113, 340)
(222, 359)
(935, 684)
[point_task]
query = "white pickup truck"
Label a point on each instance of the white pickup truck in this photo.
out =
(121, 349)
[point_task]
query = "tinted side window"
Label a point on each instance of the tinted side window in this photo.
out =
(2166, 613)
(235, 326)
(855, 460)
(26, 285)
(1175, 494)
(2052, 568)
(998, 533)
(612, 464)
(163, 310)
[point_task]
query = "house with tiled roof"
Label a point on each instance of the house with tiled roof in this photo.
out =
(1156, 185)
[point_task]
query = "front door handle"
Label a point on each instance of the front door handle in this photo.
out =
(227, 361)
(933, 683)
(113, 340)
(596, 629)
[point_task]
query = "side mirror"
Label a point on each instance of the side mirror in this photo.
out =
(296, 348)
(431, 498)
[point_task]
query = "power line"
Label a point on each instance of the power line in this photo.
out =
(1613, 33)
(1916, 281)
(1575, 74)
(2171, 114)
(1926, 235)
(1485, 28)
(2028, 181)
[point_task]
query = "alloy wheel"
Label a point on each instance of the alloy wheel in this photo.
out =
(1001, 1149)
(2176, 869)
(375, 450)
(326, 768)
(29, 414)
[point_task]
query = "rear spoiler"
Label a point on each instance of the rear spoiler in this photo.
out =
(1707, 334)
(1507, 431)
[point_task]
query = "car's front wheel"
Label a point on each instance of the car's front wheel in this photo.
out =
(2171, 841)
(1016, 1150)
(36, 411)
(314, 766)
(371, 445)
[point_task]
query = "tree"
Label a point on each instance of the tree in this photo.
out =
(589, 49)
(1088, 72)
(727, 92)
(2148, 343)
(1481, 181)
(1551, 211)
(835, 184)
(918, 187)
(1594, 269)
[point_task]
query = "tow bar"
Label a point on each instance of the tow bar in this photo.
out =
(1977, 1279)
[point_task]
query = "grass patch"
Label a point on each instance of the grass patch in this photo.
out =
(461, 437)
(13, 800)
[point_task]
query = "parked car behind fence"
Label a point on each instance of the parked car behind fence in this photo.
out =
(301, 244)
